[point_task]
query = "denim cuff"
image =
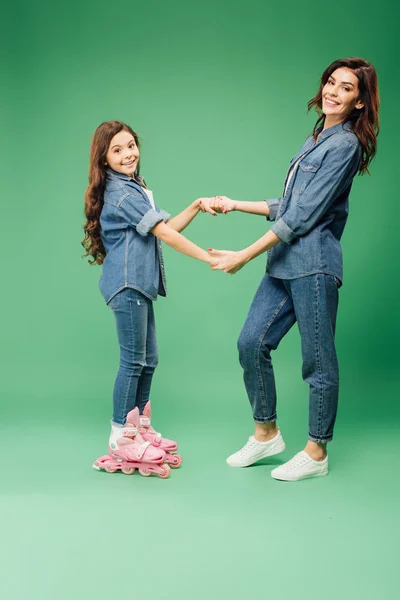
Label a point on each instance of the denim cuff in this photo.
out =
(273, 206)
(150, 220)
(283, 232)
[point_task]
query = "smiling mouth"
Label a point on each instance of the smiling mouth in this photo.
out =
(331, 102)
(129, 164)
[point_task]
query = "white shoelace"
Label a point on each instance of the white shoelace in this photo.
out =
(297, 461)
(248, 446)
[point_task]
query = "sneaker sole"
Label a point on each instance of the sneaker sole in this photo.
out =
(273, 452)
(310, 476)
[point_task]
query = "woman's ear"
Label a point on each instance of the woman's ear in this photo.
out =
(360, 105)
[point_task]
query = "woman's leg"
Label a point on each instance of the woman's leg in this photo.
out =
(130, 309)
(270, 317)
(315, 301)
(145, 379)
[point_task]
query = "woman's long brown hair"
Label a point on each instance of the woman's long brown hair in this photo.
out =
(94, 194)
(365, 121)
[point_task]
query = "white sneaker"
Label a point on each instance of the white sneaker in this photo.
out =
(254, 451)
(301, 466)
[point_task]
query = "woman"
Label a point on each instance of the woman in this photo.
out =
(304, 267)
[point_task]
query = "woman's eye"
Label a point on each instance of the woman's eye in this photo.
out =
(346, 89)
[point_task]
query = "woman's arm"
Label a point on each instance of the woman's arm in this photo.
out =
(232, 262)
(223, 204)
(178, 242)
(181, 221)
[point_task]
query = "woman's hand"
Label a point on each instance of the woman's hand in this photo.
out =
(228, 261)
(205, 206)
(216, 204)
(223, 204)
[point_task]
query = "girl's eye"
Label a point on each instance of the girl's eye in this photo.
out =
(132, 145)
(116, 150)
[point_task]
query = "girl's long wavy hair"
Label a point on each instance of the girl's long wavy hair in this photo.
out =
(365, 121)
(94, 194)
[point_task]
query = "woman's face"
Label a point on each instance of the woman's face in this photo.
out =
(340, 95)
(123, 153)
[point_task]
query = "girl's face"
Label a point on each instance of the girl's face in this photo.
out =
(123, 154)
(340, 95)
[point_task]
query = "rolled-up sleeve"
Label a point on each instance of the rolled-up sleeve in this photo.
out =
(273, 206)
(334, 175)
(137, 212)
(150, 220)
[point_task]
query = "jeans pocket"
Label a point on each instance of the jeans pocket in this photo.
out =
(115, 302)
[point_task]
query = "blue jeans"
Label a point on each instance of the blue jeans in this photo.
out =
(134, 317)
(312, 301)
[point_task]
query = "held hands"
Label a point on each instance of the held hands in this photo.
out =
(222, 260)
(217, 204)
(227, 261)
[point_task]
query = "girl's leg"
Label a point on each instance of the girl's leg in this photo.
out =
(270, 317)
(130, 309)
(145, 379)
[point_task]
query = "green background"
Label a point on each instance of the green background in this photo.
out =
(217, 91)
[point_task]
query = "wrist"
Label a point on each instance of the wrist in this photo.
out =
(245, 255)
(235, 205)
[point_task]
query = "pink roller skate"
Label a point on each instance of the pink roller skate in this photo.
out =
(150, 435)
(128, 451)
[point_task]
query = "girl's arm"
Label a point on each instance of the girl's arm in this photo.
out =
(232, 262)
(178, 242)
(181, 221)
(223, 204)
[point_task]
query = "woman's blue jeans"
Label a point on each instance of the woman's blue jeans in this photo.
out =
(134, 317)
(312, 301)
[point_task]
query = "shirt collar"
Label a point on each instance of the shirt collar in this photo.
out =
(334, 129)
(112, 173)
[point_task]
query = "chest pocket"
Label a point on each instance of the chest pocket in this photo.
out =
(305, 174)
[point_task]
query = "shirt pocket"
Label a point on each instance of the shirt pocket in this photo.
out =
(306, 174)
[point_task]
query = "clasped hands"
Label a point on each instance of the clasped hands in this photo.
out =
(222, 260)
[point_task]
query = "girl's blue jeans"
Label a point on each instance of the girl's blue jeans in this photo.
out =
(312, 301)
(134, 317)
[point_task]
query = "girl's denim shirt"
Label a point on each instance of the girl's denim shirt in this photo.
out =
(311, 215)
(134, 256)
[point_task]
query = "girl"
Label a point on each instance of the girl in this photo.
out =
(304, 266)
(123, 233)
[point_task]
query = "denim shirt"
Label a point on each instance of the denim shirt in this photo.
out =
(311, 215)
(133, 255)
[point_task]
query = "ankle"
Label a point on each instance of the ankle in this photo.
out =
(265, 431)
(316, 450)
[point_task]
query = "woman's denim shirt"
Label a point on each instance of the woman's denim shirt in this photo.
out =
(133, 255)
(311, 215)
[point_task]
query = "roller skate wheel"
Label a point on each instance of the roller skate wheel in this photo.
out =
(166, 471)
(96, 466)
(176, 462)
(110, 468)
(128, 470)
(144, 472)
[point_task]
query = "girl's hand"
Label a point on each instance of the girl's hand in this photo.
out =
(228, 261)
(204, 204)
(223, 204)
